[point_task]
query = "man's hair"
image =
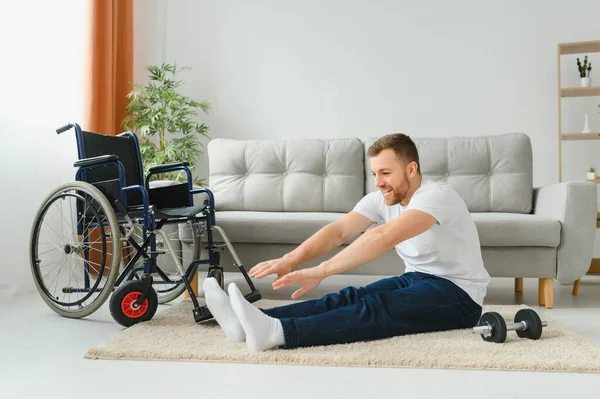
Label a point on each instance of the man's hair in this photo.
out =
(402, 145)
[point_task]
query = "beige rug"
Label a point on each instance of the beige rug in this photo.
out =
(173, 336)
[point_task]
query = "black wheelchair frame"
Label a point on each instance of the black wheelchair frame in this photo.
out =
(115, 194)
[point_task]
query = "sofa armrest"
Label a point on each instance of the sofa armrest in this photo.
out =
(574, 204)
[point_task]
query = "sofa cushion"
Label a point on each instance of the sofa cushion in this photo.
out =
(301, 175)
(516, 230)
(491, 173)
(495, 229)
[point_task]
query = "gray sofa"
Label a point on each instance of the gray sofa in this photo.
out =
(271, 195)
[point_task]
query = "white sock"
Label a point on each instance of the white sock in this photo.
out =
(262, 332)
(219, 305)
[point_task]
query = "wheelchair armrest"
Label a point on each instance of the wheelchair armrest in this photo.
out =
(206, 190)
(100, 161)
(96, 160)
(168, 167)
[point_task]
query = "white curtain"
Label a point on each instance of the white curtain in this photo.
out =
(42, 69)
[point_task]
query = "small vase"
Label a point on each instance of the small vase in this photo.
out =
(586, 125)
(586, 82)
(591, 175)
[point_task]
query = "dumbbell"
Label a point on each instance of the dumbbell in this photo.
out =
(493, 328)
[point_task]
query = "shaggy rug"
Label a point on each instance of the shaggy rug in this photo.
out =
(172, 335)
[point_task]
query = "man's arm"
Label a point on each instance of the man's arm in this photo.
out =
(377, 241)
(329, 237)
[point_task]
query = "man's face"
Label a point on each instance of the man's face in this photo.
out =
(392, 176)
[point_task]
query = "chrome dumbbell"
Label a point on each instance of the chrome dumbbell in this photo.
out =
(493, 328)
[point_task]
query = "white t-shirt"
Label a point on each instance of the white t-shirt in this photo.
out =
(449, 249)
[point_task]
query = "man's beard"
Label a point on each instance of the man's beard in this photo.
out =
(397, 198)
(398, 195)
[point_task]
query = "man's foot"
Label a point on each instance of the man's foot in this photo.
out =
(219, 305)
(262, 332)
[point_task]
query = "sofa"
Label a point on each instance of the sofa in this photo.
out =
(270, 195)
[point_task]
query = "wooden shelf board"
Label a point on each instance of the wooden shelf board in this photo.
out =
(596, 180)
(580, 91)
(579, 47)
(581, 136)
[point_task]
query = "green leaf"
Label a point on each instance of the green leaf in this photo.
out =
(165, 120)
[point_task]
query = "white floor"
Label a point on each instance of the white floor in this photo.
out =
(41, 355)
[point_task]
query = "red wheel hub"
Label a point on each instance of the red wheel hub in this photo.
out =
(128, 307)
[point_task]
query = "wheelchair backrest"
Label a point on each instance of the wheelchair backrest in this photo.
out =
(126, 147)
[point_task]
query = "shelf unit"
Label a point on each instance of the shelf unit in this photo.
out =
(582, 48)
(569, 92)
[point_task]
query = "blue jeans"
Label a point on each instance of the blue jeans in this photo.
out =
(407, 304)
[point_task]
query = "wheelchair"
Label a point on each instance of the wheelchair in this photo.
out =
(107, 233)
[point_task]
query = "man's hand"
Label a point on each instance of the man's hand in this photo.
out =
(279, 266)
(308, 278)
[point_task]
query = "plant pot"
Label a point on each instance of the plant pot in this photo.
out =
(586, 82)
(591, 175)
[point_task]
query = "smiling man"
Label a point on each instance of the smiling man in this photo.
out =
(430, 228)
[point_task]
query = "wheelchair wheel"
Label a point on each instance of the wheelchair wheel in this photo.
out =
(123, 307)
(75, 246)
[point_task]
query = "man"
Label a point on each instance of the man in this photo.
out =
(429, 226)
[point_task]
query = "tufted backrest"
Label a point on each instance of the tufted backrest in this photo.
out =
(491, 173)
(300, 175)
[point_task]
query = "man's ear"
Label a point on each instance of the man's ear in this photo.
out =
(412, 169)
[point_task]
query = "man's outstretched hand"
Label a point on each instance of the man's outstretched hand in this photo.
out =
(307, 278)
(279, 266)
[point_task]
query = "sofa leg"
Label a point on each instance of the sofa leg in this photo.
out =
(519, 284)
(546, 292)
(576, 287)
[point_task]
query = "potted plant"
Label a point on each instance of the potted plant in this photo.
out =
(163, 120)
(585, 70)
(591, 174)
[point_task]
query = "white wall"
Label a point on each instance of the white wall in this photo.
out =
(337, 68)
(42, 86)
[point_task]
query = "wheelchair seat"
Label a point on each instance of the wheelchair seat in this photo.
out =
(167, 213)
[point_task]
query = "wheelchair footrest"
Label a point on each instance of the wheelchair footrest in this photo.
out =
(253, 296)
(202, 313)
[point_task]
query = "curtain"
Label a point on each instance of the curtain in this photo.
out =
(109, 65)
(109, 71)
